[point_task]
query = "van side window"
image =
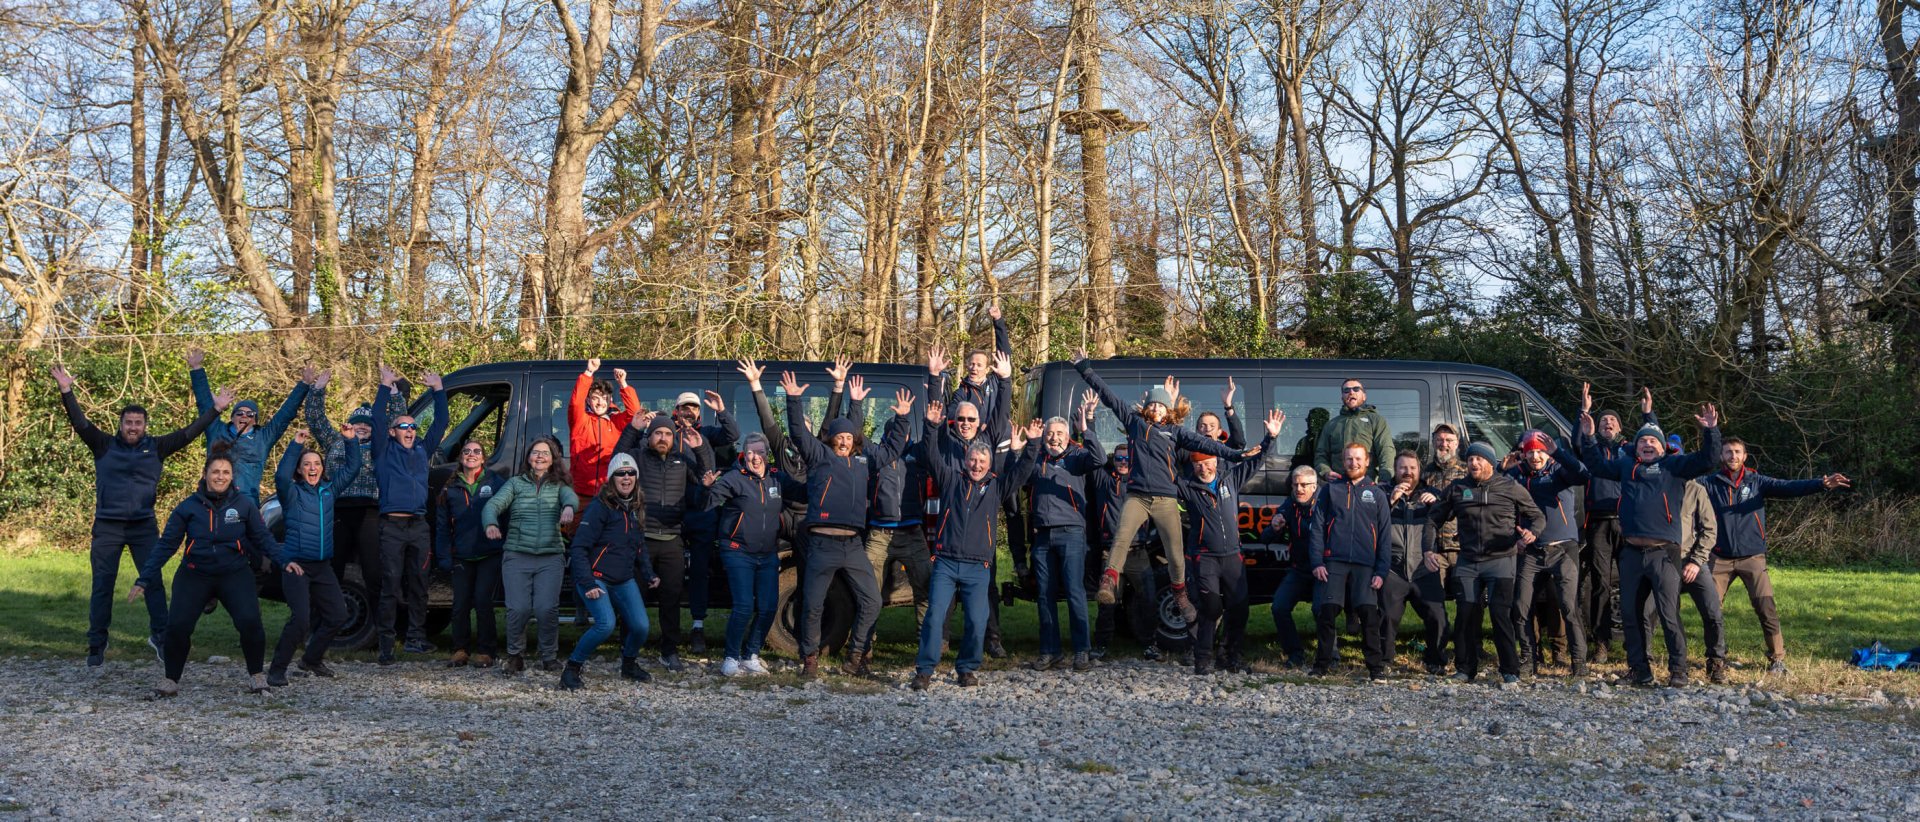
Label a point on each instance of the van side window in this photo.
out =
(475, 414)
(1538, 418)
(1493, 415)
(1309, 404)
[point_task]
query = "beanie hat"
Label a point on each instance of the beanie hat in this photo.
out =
(1199, 457)
(1159, 394)
(1675, 445)
(1650, 430)
(658, 422)
(837, 426)
(1483, 451)
(753, 439)
(1534, 440)
(619, 461)
(361, 416)
(250, 404)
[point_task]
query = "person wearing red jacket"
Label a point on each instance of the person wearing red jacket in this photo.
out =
(593, 426)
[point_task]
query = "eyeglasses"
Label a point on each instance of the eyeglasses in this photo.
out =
(476, 451)
(619, 474)
(547, 454)
(1352, 389)
(404, 426)
(966, 419)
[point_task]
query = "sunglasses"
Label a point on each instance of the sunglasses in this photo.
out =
(474, 451)
(619, 474)
(244, 412)
(1352, 389)
(1122, 459)
(404, 426)
(966, 419)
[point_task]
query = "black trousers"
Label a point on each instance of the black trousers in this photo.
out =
(1349, 587)
(1428, 596)
(1222, 582)
(1483, 585)
(313, 600)
(846, 558)
(669, 557)
(701, 534)
(1649, 573)
(192, 590)
(406, 548)
(110, 538)
(474, 584)
(1706, 599)
(1555, 567)
(1600, 579)
(356, 541)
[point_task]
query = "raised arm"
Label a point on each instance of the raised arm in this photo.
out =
(894, 443)
(276, 426)
(1192, 440)
(783, 457)
(381, 418)
(1105, 392)
(1700, 463)
(95, 439)
(323, 430)
(577, 401)
(350, 464)
(197, 377)
(283, 472)
(438, 429)
(1240, 473)
(803, 439)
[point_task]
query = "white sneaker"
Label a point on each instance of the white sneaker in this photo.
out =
(730, 667)
(754, 665)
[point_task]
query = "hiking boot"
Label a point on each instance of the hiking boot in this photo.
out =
(277, 678)
(1641, 678)
(1232, 664)
(1046, 662)
(1461, 677)
(630, 669)
(967, 680)
(1599, 655)
(549, 665)
(1202, 666)
(1082, 662)
(698, 644)
(921, 682)
(516, 664)
(995, 650)
(1151, 654)
(1679, 680)
(753, 665)
(810, 666)
(1098, 652)
(1580, 670)
(458, 660)
(318, 668)
(1295, 660)
(1319, 669)
(418, 646)
(857, 663)
(1509, 679)
(1109, 588)
(1717, 671)
(483, 660)
(1187, 611)
(672, 662)
(730, 667)
(167, 689)
(386, 656)
(258, 684)
(1436, 669)
(96, 657)
(1777, 667)
(570, 678)
(1376, 675)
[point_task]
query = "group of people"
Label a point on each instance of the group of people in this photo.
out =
(635, 509)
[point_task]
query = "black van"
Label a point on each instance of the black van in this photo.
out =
(506, 405)
(1485, 404)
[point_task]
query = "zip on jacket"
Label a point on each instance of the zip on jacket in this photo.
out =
(750, 508)
(609, 545)
(1352, 523)
(214, 534)
(1651, 492)
(461, 535)
(964, 531)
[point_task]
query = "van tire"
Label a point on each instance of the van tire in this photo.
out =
(836, 621)
(1171, 629)
(359, 630)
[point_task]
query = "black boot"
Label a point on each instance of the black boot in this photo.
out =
(630, 669)
(570, 677)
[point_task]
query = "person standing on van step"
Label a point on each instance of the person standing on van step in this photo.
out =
(964, 540)
(609, 561)
(225, 539)
(1497, 518)
(750, 499)
(1550, 474)
(474, 558)
(248, 439)
(305, 558)
(1156, 444)
(1057, 494)
(400, 461)
(1600, 538)
(1212, 500)
(836, 521)
(1292, 519)
(126, 479)
(1739, 498)
(1698, 533)
(1350, 546)
(896, 517)
(987, 385)
(1652, 493)
(1358, 423)
(357, 508)
(594, 425)
(700, 527)
(536, 503)
(671, 462)
(1408, 577)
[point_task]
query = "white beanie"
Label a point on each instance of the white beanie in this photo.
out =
(619, 461)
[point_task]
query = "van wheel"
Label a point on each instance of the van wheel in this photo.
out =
(1171, 628)
(358, 632)
(836, 620)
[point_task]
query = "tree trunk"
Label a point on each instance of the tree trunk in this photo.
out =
(1093, 165)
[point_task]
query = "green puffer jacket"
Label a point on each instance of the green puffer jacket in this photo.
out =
(1365, 426)
(533, 514)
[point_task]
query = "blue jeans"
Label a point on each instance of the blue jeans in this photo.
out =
(623, 596)
(753, 580)
(1060, 560)
(1295, 588)
(971, 582)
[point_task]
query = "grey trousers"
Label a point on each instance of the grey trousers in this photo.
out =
(532, 584)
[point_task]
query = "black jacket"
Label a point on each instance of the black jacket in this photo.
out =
(460, 535)
(837, 486)
(1292, 520)
(223, 533)
(750, 507)
(669, 481)
(964, 530)
(1057, 493)
(609, 543)
(1489, 513)
(126, 478)
(1552, 492)
(1213, 509)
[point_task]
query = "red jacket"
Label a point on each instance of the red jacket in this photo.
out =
(592, 438)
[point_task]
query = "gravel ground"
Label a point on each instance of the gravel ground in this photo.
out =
(1129, 740)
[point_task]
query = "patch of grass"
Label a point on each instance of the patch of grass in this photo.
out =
(12, 807)
(1093, 766)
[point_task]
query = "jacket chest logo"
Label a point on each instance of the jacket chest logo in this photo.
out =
(486, 490)
(773, 491)
(1652, 471)
(1366, 496)
(1746, 492)
(1466, 494)
(861, 458)
(231, 516)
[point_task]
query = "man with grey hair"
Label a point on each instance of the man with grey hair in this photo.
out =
(1057, 501)
(1290, 524)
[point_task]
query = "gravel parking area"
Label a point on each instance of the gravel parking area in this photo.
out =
(1129, 740)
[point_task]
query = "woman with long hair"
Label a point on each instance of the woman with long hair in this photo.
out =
(474, 558)
(225, 538)
(305, 561)
(537, 501)
(609, 557)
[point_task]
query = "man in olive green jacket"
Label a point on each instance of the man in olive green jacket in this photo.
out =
(1359, 424)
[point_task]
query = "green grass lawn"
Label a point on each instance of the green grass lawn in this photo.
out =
(1825, 614)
